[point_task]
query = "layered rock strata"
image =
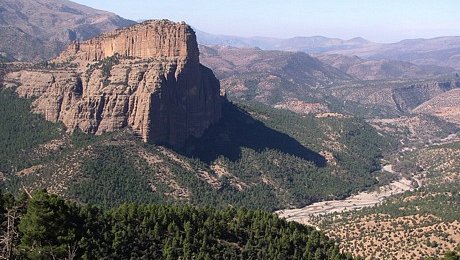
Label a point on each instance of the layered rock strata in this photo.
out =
(146, 77)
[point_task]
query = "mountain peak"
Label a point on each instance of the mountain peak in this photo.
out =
(359, 40)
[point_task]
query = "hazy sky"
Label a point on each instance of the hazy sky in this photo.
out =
(377, 20)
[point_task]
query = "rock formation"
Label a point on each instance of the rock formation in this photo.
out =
(147, 77)
(147, 40)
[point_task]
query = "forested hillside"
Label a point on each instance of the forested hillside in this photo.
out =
(20, 131)
(48, 227)
(256, 157)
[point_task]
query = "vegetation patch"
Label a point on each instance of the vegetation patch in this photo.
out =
(49, 227)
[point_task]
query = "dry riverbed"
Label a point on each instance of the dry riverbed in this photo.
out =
(358, 201)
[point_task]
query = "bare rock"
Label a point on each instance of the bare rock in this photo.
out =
(151, 39)
(146, 77)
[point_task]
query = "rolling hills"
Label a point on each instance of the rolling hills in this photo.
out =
(313, 44)
(39, 30)
(441, 51)
(327, 83)
(370, 69)
(270, 77)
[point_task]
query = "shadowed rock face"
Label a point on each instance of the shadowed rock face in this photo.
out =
(147, 77)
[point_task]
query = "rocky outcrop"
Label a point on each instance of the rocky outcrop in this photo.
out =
(147, 40)
(146, 77)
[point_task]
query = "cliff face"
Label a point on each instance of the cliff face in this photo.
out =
(147, 40)
(146, 77)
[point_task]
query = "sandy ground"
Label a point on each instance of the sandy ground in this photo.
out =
(358, 201)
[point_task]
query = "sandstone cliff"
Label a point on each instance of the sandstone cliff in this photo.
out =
(146, 77)
(147, 40)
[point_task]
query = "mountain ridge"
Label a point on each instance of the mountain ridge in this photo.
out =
(268, 76)
(384, 69)
(441, 51)
(322, 83)
(45, 27)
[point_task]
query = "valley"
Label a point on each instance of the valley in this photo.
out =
(412, 207)
(420, 113)
(425, 219)
(355, 202)
(153, 139)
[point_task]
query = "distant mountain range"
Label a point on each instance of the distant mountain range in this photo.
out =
(314, 44)
(286, 73)
(382, 69)
(298, 81)
(442, 51)
(269, 77)
(40, 29)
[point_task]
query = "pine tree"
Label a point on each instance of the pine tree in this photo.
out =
(49, 228)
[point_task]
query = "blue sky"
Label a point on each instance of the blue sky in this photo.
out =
(376, 20)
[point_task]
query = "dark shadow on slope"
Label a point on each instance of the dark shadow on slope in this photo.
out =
(237, 129)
